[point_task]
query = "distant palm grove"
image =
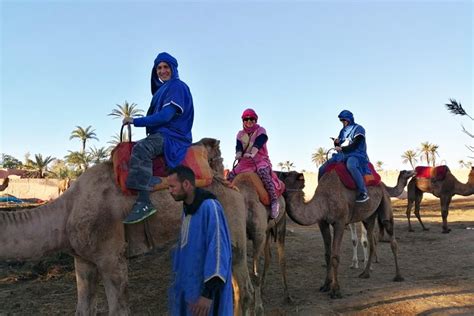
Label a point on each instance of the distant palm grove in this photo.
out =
(75, 162)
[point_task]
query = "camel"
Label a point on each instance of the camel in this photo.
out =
(334, 204)
(395, 191)
(260, 230)
(86, 221)
(63, 185)
(4, 184)
(443, 189)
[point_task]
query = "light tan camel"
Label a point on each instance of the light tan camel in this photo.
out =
(4, 184)
(260, 230)
(395, 191)
(63, 185)
(333, 204)
(443, 189)
(86, 221)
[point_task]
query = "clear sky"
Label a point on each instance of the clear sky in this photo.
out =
(394, 64)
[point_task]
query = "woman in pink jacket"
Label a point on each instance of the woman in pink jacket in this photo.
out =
(252, 156)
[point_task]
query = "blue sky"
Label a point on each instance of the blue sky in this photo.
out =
(298, 64)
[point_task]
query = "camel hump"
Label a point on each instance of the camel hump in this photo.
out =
(254, 179)
(435, 173)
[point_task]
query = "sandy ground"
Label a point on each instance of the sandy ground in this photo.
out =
(438, 271)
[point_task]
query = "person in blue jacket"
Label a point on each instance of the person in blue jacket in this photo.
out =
(351, 148)
(202, 260)
(168, 123)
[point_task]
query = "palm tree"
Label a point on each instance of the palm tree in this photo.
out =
(425, 152)
(83, 135)
(99, 154)
(433, 153)
(79, 159)
(286, 165)
(40, 164)
(319, 157)
(378, 165)
(456, 108)
(410, 156)
(126, 110)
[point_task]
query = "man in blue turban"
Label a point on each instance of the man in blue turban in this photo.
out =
(351, 148)
(168, 123)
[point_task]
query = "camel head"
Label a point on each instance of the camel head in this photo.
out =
(406, 174)
(294, 181)
(213, 154)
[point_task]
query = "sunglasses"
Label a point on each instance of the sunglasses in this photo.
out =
(248, 119)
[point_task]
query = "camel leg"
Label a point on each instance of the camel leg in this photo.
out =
(335, 291)
(114, 272)
(282, 257)
(243, 288)
(445, 201)
(86, 279)
(326, 233)
(258, 249)
(355, 242)
(268, 256)
(418, 198)
(411, 197)
(365, 244)
(369, 225)
(389, 227)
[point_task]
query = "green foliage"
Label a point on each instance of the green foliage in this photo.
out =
(10, 162)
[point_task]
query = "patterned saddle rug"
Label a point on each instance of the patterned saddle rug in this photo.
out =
(258, 185)
(196, 158)
(426, 175)
(346, 178)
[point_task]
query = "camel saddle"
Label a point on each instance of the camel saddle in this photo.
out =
(257, 183)
(425, 175)
(196, 158)
(346, 178)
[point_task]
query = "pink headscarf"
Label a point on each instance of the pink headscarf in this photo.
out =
(252, 114)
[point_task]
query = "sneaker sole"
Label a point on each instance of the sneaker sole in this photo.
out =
(362, 201)
(153, 211)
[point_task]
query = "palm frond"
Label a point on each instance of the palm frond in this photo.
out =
(456, 108)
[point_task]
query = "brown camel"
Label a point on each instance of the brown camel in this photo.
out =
(5, 183)
(260, 230)
(63, 185)
(443, 189)
(86, 221)
(395, 191)
(334, 204)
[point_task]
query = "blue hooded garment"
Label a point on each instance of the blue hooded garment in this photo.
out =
(347, 134)
(177, 132)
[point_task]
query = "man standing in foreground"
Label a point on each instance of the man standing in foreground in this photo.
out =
(202, 262)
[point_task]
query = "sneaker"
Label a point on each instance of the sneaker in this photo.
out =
(275, 210)
(362, 197)
(140, 211)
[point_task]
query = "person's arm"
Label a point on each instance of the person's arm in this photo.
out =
(351, 147)
(239, 148)
(157, 119)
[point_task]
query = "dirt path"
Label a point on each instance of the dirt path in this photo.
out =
(438, 271)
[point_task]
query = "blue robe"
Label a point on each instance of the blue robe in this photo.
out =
(203, 252)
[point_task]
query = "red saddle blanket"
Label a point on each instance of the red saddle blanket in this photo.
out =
(435, 173)
(196, 158)
(346, 178)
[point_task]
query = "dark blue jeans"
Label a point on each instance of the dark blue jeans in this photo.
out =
(140, 171)
(352, 164)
